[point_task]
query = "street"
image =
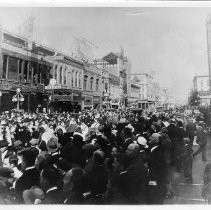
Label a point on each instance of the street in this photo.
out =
(191, 193)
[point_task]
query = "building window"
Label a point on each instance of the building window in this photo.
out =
(97, 84)
(85, 82)
(12, 68)
(72, 81)
(65, 76)
(60, 75)
(4, 76)
(76, 79)
(106, 87)
(20, 70)
(55, 73)
(79, 81)
(91, 83)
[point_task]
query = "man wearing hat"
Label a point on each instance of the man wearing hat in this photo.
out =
(30, 176)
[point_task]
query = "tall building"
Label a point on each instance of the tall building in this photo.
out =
(119, 68)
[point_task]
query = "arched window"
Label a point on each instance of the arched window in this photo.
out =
(85, 82)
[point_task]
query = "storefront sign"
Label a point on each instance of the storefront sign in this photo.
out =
(25, 87)
(61, 98)
(96, 100)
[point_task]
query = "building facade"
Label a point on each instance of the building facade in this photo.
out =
(22, 66)
(66, 92)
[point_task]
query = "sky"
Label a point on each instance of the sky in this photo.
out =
(169, 41)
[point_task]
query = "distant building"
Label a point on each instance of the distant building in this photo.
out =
(201, 84)
(134, 96)
(145, 83)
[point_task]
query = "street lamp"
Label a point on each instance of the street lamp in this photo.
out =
(18, 97)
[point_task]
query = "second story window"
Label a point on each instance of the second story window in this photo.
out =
(60, 75)
(91, 83)
(76, 79)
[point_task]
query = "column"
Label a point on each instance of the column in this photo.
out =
(32, 74)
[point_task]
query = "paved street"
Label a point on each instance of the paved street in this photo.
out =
(191, 193)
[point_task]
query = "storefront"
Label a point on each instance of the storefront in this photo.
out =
(65, 101)
(33, 96)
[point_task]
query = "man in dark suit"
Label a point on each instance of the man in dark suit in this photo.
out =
(127, 132)
(157, 171)
(30, 176)
(49, 181)
(176, 134)
(191, 130)
(132, 182)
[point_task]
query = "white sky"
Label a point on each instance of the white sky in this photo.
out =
(169, 41)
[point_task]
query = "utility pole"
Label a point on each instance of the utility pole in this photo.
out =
(208, 27)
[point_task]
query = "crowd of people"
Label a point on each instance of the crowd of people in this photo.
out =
(96, 157)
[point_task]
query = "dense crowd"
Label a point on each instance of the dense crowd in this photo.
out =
(96, 157)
